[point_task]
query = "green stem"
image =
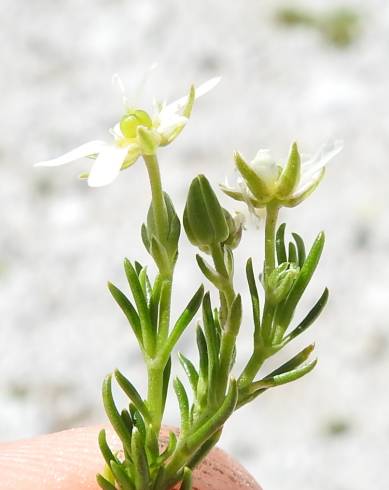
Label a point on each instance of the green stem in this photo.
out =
(155, 395)
(158, 201)
(259, 354)
(270, 238)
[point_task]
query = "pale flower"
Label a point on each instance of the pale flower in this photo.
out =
(263, 181)
(136, 134)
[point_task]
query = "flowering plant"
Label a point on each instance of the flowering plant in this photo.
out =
(287, 271)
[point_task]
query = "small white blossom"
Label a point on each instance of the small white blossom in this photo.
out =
(136, 134)
(263, 180)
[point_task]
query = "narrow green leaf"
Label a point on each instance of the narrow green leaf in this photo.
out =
(129, 310)
(141, 468)
(171, 446)
(202, 385)
(293, 375)
(138, 267)
(184, 320)
(235, 316)
(293, 363)
(130, 390)
(141, 303)
(127, 419)
(104, 448)
(121, 476)
(254, 300)
(300, 249)
(202, 452)
(292, 253)
(154, 300)
(210, 332)
(104, 484)
(145, 283)
(164, 312)
(151, 445)
(301, 282)
(309, 319)
(215, 421)
(138, 421)
(190, 371)
(209, 272)
(113, 414)
(183, 404)
(280, 244)
(166, 379)
(145, 237)
(186, 480)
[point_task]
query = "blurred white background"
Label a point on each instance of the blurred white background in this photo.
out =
(60, 241)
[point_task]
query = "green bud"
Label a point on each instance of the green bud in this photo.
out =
(280, 281)
(235, 228)
(131, 121)
(204, 219)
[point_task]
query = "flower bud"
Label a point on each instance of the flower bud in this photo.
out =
(280, 281)
(204, 219)
(235, 227)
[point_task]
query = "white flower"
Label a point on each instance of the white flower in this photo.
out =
(136, 134)
(262, 180)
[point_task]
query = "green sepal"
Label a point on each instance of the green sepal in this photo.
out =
(254, 182)
(121, 476)
(290, 175)
(190, 371)
(301, 282)
(114, 416)
(304, 193)
(129, 311)
(204, 220)
(171, 235)
(160, 256)
(280, 244)
(132, 393)
(186, 479)
(104, 483)
(183, 404)
(309, 319)
(148, 140)
(141, 468)
(187, 110)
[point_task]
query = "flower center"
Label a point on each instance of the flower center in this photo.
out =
(130, 122)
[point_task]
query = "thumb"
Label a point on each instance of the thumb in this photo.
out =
(71, 459)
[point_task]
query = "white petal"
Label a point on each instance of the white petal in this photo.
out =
(107, 165)
(85, 150)
(170, 121)
(203, 89)
(320, 159)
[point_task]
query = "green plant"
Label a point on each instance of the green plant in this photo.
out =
(275, 294)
